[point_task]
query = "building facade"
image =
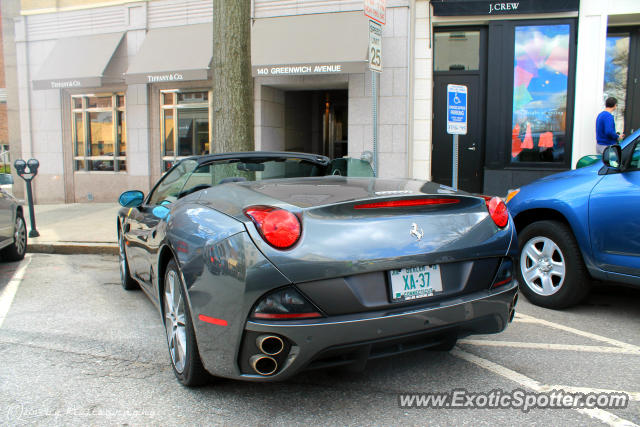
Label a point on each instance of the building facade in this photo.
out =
(537, 74)
(112, 93)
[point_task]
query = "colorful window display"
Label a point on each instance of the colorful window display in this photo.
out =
(540, 81)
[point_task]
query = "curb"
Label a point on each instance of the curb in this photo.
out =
(73, 248)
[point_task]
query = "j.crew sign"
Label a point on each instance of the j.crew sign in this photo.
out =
(492, 7)
(503, 7)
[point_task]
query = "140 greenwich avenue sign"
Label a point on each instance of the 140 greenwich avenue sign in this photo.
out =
(302, 69)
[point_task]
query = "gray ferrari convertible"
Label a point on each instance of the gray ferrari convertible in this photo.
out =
(263, 264)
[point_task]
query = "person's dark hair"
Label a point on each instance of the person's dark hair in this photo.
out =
(611, 102)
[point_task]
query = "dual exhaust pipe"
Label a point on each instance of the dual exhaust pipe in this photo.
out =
(264, 364)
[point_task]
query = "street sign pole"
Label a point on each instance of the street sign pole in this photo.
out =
(456, 123)
(374, 97)
(454, 166)
(376, 11)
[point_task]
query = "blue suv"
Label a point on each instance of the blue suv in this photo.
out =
(578, 225)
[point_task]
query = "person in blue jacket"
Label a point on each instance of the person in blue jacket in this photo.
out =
(605, 126)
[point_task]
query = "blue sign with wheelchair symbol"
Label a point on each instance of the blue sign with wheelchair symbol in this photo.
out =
(457, 109)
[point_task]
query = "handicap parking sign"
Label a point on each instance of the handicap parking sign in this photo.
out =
(456, 109)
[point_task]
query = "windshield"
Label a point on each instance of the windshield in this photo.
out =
(257, 169)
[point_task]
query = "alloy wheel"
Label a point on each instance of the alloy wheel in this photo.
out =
(542, 266)
(175, 321)
(122, 257)
(20, 236)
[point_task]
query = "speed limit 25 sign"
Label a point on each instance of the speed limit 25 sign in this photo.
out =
(375, 46)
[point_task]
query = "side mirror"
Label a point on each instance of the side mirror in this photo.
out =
(160, 212)
(131, 199)
(612, 155)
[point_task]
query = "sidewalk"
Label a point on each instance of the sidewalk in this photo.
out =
(76, 228)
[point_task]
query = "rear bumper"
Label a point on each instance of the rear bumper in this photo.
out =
(355, 338)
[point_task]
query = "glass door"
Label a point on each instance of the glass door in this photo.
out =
(460, 59)
(621, 68)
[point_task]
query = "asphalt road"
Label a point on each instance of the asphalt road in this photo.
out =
(76, 349)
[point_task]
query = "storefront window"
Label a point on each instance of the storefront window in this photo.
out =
(185, 125)
(616, 66)
(456, 51)
(540, 82)
(99, 132)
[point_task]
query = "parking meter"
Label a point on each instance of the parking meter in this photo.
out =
(27, 171)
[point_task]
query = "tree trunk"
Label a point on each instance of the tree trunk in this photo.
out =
(232, 80)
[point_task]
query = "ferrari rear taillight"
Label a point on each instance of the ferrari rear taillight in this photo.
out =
(285, 304)
(498, 211)
(407, 203)
(278, 227)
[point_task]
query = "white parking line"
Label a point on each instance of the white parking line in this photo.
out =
(523, 380)
(530, 319)
(547, 346)
(633, 395)
(9, 291)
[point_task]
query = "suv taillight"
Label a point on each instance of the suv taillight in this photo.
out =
(278, 227)
(497, 210)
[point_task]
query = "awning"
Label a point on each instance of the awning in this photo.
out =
(86, 61)
(325, 43)
(173, 54)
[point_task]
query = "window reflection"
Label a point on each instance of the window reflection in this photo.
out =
(122, 134)
(456, 51)
(99, 132)
(185, 125)
(616, 66)
(79, 134)
(541, 66)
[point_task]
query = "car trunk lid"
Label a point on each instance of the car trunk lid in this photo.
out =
(354, 226)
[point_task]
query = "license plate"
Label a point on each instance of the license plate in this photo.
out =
(415, 282)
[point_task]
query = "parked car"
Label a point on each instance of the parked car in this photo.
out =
(263, 264)
(13, 232)
(6, 183)
(580, 225)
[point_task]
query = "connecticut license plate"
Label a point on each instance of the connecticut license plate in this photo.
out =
(415, 282)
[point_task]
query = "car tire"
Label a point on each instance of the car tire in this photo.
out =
(551, 271)
(181, 340)
(128, 283)
(16, 250)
